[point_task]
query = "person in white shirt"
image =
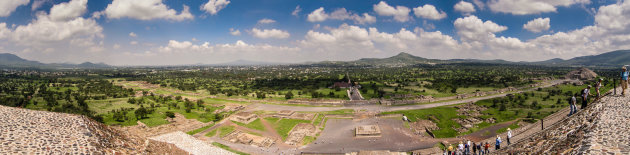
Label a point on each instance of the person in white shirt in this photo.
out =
(509, 136)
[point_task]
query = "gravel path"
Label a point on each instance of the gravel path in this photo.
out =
(24, 131)
(190, 144)
(611, 132)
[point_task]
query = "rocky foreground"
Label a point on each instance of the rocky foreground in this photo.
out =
(601, 128)
(24, 131)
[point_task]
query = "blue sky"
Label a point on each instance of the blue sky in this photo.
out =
(171, 32)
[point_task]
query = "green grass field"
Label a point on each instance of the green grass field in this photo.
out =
(256, 125)
(200, 129)
(284, 126)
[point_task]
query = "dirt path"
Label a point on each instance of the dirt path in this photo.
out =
(273, 133)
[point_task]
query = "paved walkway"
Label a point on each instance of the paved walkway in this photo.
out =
(379, 108)
(190, 144)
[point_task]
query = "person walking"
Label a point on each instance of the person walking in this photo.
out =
(572, 102)
(487, 147)
(624, 80)
(460, 147)
(509, 136)
(598, 86)
(479, 148)
(468, 145)
(474, 148)
(497, 144)
(450, 149)
(585, 93)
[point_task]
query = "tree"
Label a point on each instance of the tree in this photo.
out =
(131, 100)
(141, 112)
(199, 103)
(289, 95)
(170, 114)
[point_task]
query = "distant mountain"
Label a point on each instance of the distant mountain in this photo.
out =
(614, 58)
(8, 60)
(92, 65)
(402, 59)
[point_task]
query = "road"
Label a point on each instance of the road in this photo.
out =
(379, 108)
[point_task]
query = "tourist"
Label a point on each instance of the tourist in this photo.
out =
(460, 147)
(405, 118)
(572, 102)
(624, 80)
(497, 145)
(585, 93)
(474, 148)
(450, 149)
(479, 148)
(509, 135)
(598, 85)
(487, 146)
(468, 144)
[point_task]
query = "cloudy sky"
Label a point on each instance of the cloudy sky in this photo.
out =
(170, 32)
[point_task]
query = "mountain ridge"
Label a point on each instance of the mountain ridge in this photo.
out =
(608, 59)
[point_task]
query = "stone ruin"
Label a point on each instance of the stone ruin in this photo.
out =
(244, 117)
(472, 113)
(286, 113)
(248, 139)
(299, 132)
(294, 115)
(368, 131)
(229, 108)
(581, 74)
(421, 127)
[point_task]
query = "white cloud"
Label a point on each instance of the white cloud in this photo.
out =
(8, 6)
(269, 33)
(464, 7)
(472, 28)
(537, 25)
(131, 34)
(400, 13)
(429, 12)
(365, 19)
(116, 46)
(185, 52)
(214, 6)
(297, 11)
(145, 10)
(524, 7)
(318, 15)
(55, 37)
(133, 43)
(38, 3)
(235, 32)
(68, 10)
(481, 5)
(266, 21)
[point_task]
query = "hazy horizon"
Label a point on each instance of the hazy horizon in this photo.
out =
(158, 32)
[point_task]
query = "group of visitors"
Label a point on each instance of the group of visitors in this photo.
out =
(585, 93)
(474, 148)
